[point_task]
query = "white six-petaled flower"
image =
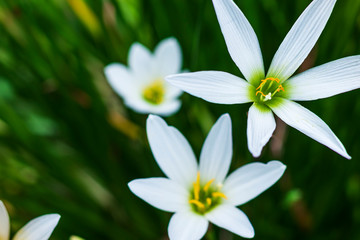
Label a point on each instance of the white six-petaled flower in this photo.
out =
(39, 228)
(274, 91)
(199, 194)
(142, 84)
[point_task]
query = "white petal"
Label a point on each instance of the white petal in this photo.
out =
(172, 151)
(121, 80)
(241, 40)
(250, 180)
(140, 105)
(327, 80)
(39, 228)
(213, 86)
(216, 153)
(261, 125)
(161, 193)
(172, 92)
(141, 63)
(4, 222)
(168, 57)
(300, 39)
(187, 226)
(308, 123)
(231, 219)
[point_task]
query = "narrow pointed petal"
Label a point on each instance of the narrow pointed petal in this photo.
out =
(4, 222)
(216, 154)
(327, 80)
(232, 219)
(39, 228)
(172, 151)
(161, 193)
(300, 39)
(121, 80)
(261, 125)
(251, 180)
(187, 226)
(141, 62)
(168, 57)
(213, 86)
(240, 39)
(308, 123)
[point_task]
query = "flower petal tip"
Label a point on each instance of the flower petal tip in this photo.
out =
(250, 234)
(132, 185)
(255, 152)
(170, 78)
(152, 118)
(277, 163)
(54, 217)
(226, 116)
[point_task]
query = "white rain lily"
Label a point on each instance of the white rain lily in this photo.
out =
(274, 91)
(142, 84)
(199, 194)
(39, 228)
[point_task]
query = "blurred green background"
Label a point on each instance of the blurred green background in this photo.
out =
(68, 145)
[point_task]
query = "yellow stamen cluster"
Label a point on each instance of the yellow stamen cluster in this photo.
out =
(269, 87)
(155, 92)
(205, 198)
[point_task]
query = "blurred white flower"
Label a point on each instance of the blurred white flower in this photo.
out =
(39, 228)
(142, 84)
(274, 91)
(202, 193)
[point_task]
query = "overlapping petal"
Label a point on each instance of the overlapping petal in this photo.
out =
(187, 226)
(171, 150)
(39, 228)
(216, 154)
(141, 62)
(121, 80)
(261, 125)
(168, 57)
(232, 219)
(241, 39)
(4, 222)
(300, 39)
(326, 80)
(213, 86)
(308, 123)
(251, 180)
(142, 106)
(161, 193)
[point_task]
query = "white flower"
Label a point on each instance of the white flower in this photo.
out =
(202, 193)
(142, 85)
(275, 91)
(39, 228)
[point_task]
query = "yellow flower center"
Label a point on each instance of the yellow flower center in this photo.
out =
(154, 93)
(268, 88)
(203, 199)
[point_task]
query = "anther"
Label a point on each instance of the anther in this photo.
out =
(206, 187)
(260, 93)
(218, 194)
(280, 88)
(208, 201)
(197, 203)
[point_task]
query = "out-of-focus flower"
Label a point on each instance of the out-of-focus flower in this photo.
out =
(76, 238)
(39, 228)
(274, 91)
(202, 193)
(142, 84)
